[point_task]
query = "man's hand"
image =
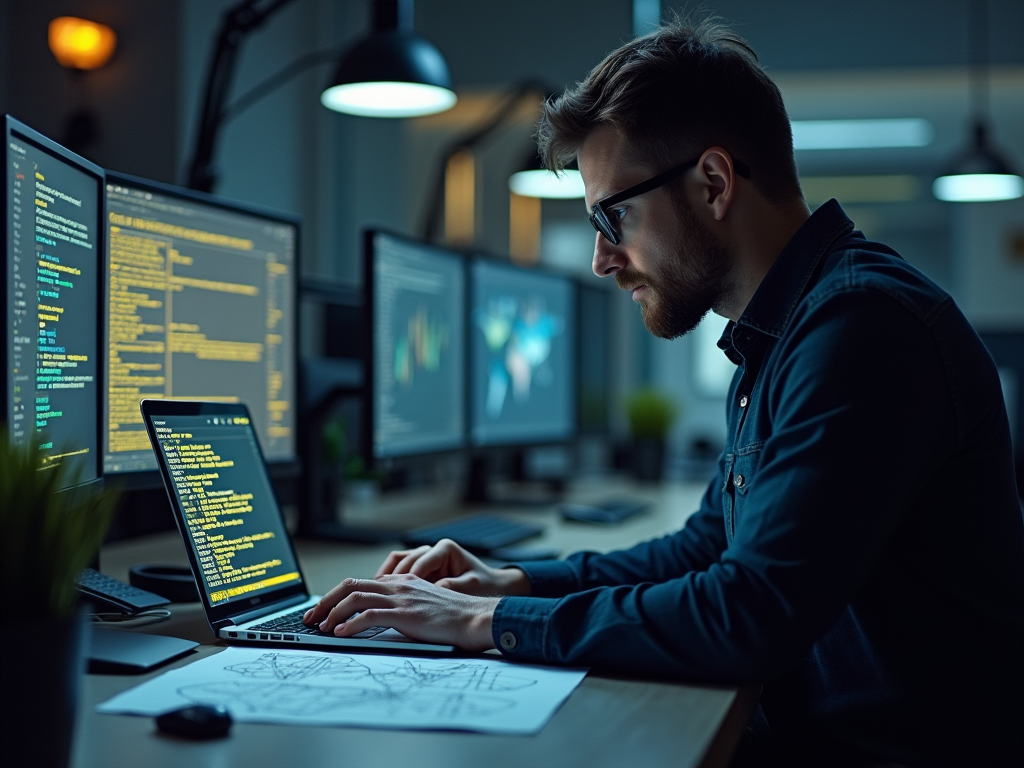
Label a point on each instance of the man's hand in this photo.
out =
(450, 566)
(413, 606)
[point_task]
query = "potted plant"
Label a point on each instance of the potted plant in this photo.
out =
(46, 539)
(651, 414)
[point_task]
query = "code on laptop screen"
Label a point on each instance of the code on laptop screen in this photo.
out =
(232, 520)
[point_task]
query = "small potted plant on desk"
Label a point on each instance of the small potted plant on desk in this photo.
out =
(46, 539)
(651, 415)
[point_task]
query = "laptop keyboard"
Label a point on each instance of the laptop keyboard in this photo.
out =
(292, 624)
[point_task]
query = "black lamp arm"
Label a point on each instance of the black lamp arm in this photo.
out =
(276, 80)
(238, 21)
(498, 119)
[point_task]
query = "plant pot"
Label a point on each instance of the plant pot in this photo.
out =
(648, 460)
(43, 663)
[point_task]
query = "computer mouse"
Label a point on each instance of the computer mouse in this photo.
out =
(198, 721)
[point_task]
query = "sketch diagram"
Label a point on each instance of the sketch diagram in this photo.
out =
(322, 688)
(446, 689)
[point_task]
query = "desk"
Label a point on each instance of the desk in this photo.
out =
(608, 721)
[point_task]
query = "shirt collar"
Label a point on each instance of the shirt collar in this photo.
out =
(787, 280)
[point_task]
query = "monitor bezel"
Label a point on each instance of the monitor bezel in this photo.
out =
(570, 436)
(216, 614)
(278, 469)
(368, 360)
(13, 126)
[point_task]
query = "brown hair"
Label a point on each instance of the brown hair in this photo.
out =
(673, 93)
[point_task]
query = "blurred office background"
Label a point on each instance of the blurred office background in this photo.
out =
(832, 60)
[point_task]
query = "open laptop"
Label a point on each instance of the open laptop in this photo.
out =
(242, 557)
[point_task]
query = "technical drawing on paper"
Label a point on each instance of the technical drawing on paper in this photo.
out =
(260, 685)
(271, 684)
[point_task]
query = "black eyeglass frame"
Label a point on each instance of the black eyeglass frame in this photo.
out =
(599, 213)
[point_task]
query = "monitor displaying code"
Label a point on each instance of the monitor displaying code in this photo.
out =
(522, 355)
(418, 348)
(200, 307)
(53, 272)
(231, 518)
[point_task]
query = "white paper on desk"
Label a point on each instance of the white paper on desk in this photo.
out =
(315, 688)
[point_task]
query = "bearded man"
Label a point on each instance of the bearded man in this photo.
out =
(860, 551)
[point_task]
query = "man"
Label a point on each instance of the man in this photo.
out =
(861, 550)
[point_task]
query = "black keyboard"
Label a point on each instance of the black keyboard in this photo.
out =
(107, 590)
(292, 624)
(480, 533)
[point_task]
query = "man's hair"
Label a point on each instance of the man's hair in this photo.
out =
(673, 93)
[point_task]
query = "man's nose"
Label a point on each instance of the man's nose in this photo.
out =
(608, 258)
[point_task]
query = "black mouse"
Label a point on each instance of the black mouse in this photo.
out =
(198, 721)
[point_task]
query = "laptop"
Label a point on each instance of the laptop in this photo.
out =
(241, 554)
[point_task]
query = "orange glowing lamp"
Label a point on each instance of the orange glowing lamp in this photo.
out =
(81, 44)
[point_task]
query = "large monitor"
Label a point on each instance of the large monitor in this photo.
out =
(415, 376)
(201, 305)
(51, 287)
(522, 355)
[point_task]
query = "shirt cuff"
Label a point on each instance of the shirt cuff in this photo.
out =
(550, 578)
(519, 626)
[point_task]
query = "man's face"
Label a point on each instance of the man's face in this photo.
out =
(668, 257)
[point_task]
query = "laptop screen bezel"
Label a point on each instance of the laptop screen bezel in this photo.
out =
(220, 613)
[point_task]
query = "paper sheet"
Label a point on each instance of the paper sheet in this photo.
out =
(259, 685)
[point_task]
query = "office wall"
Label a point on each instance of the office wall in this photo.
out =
(134, 98)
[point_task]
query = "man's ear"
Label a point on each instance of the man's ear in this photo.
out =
(717, 176)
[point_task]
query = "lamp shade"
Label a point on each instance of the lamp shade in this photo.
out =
(979, 175)
(391, 73)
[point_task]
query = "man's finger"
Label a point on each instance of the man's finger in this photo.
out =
(357, 602)
(319, 612)
(371, 617)
(468, 583)
(393, 559)
(409, 560)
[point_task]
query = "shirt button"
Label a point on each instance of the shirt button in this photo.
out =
(509, 641)
(743, 401)
(737, 481)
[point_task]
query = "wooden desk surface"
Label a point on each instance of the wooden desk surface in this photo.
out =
(607, 722)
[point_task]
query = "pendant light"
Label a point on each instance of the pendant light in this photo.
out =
(980, 174)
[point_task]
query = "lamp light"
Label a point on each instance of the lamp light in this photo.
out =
(79, 43)
(534, 180)
(980, 174)
(391, 73)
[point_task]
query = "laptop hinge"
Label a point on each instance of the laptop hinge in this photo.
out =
(221, 624)
(265, 610)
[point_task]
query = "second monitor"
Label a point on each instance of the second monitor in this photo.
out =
(200, 305)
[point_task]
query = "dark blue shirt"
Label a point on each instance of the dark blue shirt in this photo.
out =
(860, 551)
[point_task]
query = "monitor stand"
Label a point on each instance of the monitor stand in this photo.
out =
(478, 489)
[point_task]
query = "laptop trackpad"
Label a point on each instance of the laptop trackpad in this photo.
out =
(394, 635)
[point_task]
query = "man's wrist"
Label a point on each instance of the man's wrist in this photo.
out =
(480, 624)
(517, 583)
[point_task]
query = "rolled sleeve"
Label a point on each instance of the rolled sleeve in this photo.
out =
(550, 578)
(519, 626)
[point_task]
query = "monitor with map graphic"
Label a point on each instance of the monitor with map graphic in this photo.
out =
(415, 297)
(522, 340)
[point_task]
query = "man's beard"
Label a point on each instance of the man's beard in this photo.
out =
(684, 288)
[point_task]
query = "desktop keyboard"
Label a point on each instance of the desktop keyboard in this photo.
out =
(480, 533)
(292, 624)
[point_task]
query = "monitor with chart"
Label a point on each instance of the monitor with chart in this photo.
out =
(51, 288)
(201, 305)
(416, 302)
(522, 352)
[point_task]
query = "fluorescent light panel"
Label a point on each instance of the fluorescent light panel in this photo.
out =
(861, 134)
(861, 189)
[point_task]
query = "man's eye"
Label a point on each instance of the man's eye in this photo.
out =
(616, 214)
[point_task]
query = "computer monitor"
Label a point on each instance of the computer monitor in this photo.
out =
(415, 299)
(522, 355)
(201, 305)
(54, 237)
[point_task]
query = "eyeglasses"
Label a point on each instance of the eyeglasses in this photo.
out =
(607, 222)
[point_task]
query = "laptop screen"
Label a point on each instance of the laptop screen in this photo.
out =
(232, 521)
